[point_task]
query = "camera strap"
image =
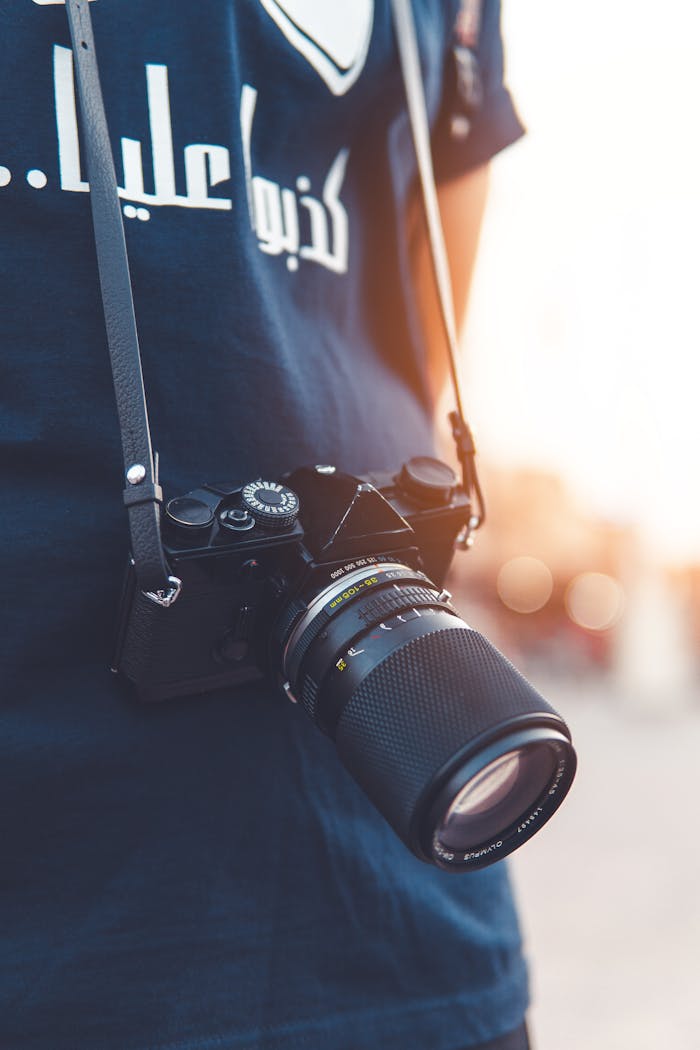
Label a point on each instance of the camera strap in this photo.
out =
(142, 494)
(418, 115)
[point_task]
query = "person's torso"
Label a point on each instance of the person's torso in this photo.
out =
(205, 870)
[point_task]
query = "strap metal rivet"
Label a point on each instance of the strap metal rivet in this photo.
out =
(136, 474)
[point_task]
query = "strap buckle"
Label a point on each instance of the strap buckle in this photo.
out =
(166, 598)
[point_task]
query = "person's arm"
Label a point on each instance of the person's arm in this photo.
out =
(462, 201)
(477, 119)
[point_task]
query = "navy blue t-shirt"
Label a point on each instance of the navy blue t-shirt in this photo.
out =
(204, 873)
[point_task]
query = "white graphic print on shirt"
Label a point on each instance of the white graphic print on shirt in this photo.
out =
(287, 220)
(274, 211)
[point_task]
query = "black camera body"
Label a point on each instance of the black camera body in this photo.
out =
(332, 585)
(251, 557)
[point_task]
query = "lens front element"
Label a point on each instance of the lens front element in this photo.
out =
(487, 803)
(491, 805)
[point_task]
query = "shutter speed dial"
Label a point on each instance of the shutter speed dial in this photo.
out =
(270, 504)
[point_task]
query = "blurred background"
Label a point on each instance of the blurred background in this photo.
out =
(582, 372)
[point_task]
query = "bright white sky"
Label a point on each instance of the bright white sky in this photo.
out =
(584, 338)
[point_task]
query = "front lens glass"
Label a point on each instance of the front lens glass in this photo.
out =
(496, 797)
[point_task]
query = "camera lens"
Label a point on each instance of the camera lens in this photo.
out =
(494, 798)
(455, 748)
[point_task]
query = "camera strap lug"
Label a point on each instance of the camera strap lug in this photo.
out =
(166, 598)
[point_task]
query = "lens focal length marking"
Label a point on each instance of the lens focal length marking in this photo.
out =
(351, 592)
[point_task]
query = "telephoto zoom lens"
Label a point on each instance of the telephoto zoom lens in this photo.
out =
(455, 748)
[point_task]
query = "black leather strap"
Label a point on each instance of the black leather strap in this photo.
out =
(142, 495)
(404, 27)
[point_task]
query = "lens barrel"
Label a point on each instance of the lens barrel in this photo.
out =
(460, 754)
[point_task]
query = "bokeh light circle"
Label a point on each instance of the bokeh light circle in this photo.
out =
(524, 584)
(595, 601)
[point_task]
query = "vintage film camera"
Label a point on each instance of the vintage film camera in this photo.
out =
(332, 585)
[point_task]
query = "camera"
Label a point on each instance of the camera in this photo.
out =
(332, 585)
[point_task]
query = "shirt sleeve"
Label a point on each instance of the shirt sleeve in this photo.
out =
(477, 116)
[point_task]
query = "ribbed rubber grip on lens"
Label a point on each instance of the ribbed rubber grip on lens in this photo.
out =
(419, 707)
